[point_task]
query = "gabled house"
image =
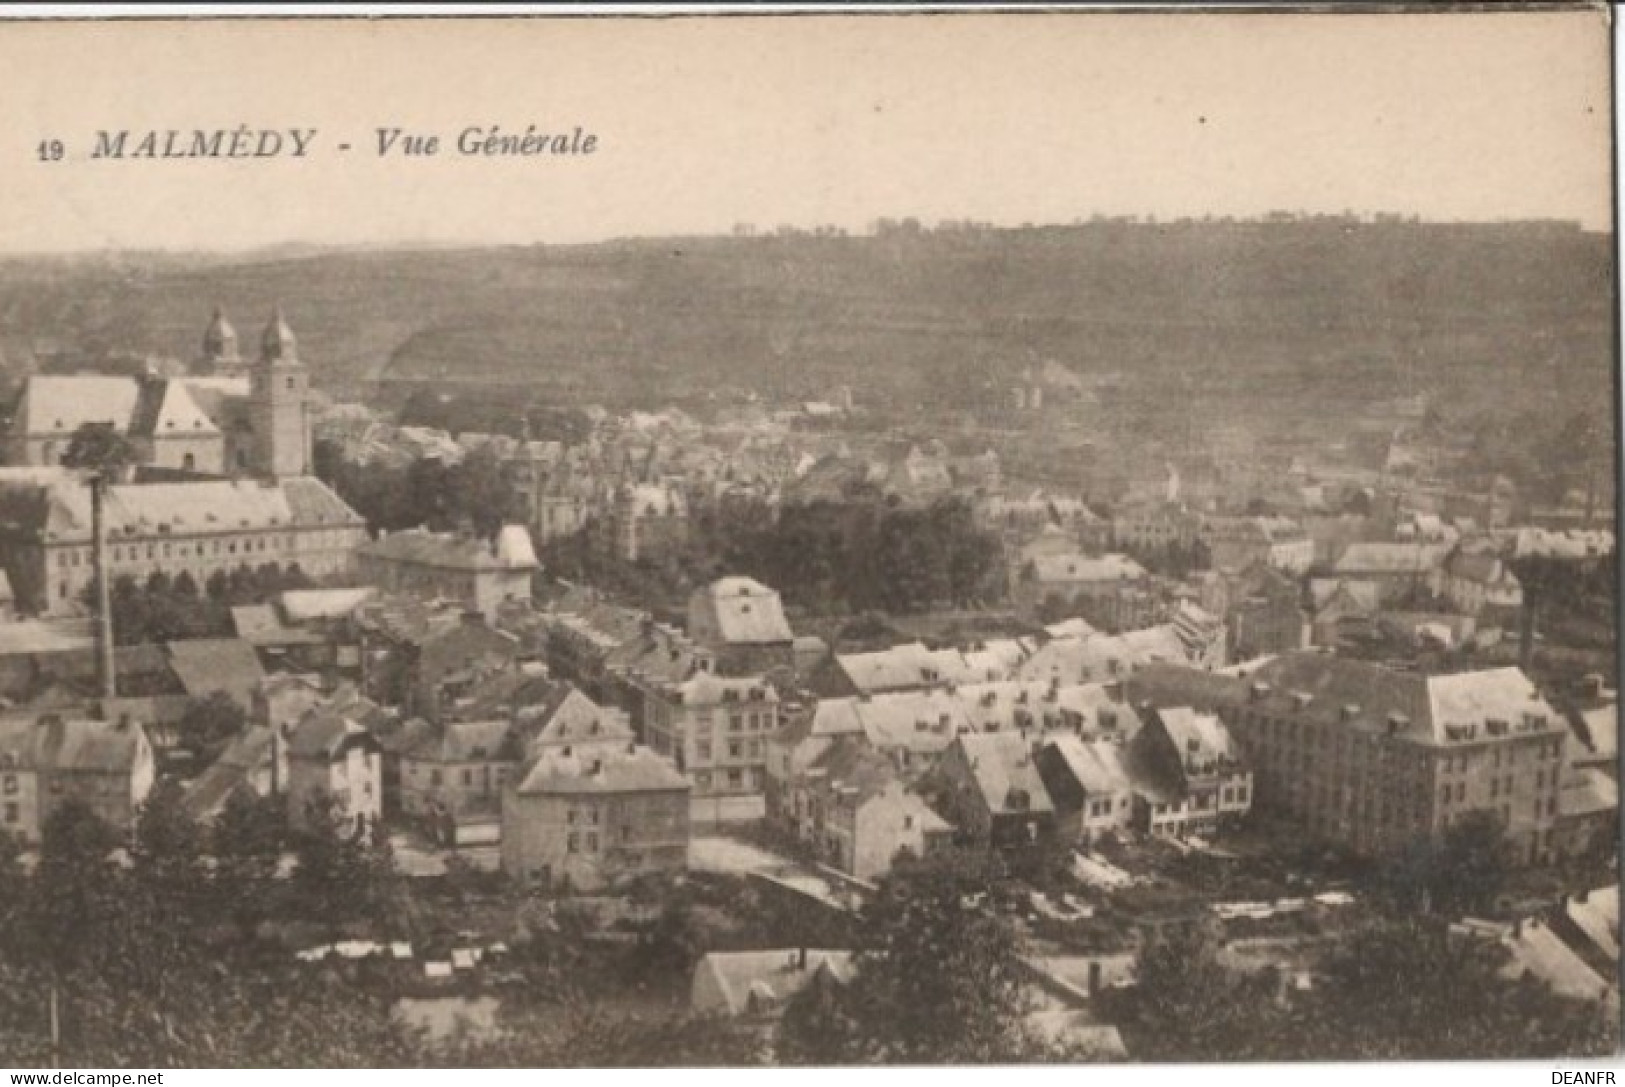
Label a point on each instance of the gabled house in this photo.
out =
(335, 761)
(1089, 783)
(994, 792)
(587, 820)
(1191, 774)
(857, 813)
(741, 621)
(51, 760)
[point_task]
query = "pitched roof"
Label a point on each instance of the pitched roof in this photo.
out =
(166, 409)
(80, 746)
(1602, 730)
(205, 665)
(207, 794)
(328, 730)
(142, 510)
(302, 605)
(630, 770)
(466, 741)
(745, 611)
(1198, 737)
(1070, 568)
(726, 981)
(53, 404)
(451, 551)
(1597, 916)
(1001, 764)
(1587, 791)
(1539, 952)
(1096, 765)
(1382, 557)
(1426, 709)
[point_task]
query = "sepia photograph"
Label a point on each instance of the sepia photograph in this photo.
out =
(786, 537)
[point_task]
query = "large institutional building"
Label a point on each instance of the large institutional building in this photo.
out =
(229, 458)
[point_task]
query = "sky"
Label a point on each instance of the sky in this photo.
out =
(702, 123)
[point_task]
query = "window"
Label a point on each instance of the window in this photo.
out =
(434, 778)
(733, 750)
(11, 784)
(592, 843)
(572, 844)
(735, 779)
(735, 722)
(11, 813)
(592, 816)
(468, 777)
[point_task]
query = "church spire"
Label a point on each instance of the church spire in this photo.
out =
(278, 343)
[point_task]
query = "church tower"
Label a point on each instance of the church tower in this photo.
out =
(277, 405)
(220, 355)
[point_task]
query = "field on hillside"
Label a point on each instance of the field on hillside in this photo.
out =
(1251, 321)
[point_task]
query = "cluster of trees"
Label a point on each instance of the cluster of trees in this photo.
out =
(940, 979)
(826, 557)
(145, 951)
(167, 608)
(426, 493)
(487, 410)
(163, 950)
(1400, 988)
(1175, 559)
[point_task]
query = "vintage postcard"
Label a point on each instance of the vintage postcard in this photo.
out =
(789, 538)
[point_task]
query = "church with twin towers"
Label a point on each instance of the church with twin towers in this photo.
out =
(221, 475)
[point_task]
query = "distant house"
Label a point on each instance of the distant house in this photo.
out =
(206, 666)
(760, 984)
(1265, 616)
(1397, 568)
(1191, 775)
(1076, 578)
(479, 575)
(1089, 783)
(252, 765)
(1344, 609)
(853, 809)
(909, 667)
(453, 774)
(585, 820)
(423, 659)
(742, 622)
(335, 762)
(998, 797)
(49, 761)
(1477, 583)
(647, 521)
(715, 729)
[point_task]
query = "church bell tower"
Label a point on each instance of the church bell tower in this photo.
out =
(278, 409)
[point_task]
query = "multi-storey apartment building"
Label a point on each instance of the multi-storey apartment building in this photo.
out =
(1375, 759)
(716, 730)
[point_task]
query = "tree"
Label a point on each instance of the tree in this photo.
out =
(341, 872)
(246, 840)
(210, 722)
(99, 448)
(168, 846)
(1460, 874)
(1410, 990)
(477, 490)
(940, 981)
(1187, 1006)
